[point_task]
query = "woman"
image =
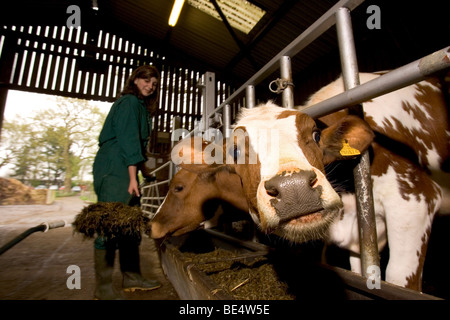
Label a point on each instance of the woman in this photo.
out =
(122, 144)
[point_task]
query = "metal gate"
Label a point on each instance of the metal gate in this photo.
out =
(339, 15)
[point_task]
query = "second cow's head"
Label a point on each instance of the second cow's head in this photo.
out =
(280, 156)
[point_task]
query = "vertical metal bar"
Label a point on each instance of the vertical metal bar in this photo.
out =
(209, 98)
(363, 183)
(349, 62)
(176, 124)
(226, 121)
(250, 96)
(287, 96)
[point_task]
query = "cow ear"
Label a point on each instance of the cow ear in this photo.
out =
(345, 139)
(197, 155)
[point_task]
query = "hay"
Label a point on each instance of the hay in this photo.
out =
(14, 192)
(243, 279)
(110, 219)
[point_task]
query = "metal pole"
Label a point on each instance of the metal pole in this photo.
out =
(401, 77)
(226, 121)
(250, 97)
(287, 96)
(349, 62)
(209, 98)
(363, 184)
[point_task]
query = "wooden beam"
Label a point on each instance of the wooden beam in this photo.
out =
(285, 7)
(234, 36)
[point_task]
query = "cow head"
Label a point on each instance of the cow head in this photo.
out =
(280, 157)
(287, 189)
(193, 197)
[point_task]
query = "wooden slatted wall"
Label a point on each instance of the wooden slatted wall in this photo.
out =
(67, 62)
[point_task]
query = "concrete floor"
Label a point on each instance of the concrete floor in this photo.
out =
(37, 267)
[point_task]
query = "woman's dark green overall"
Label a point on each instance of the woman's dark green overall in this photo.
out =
(122, 143)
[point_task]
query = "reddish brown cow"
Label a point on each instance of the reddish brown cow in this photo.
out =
(183, 209)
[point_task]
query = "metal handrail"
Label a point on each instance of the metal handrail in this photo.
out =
(160, 167)
(401, 77)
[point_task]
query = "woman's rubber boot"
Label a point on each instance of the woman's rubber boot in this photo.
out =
(135, 281)
(130, 267)
(104, 266)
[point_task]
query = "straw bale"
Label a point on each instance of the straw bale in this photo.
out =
(13, 192)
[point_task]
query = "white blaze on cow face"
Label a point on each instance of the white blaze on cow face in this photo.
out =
(280, 154)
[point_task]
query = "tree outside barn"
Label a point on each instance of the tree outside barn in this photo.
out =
(52, 146)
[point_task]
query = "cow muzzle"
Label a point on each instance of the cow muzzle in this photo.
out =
(295, 198)
(294, 194)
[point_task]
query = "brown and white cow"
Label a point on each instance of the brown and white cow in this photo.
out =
(292, 196)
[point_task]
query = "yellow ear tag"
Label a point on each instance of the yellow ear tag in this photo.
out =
(348, 151)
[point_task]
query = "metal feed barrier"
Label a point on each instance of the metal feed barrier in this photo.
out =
(355, 94)
(151, 199)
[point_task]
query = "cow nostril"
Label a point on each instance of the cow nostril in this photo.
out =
(311, 177)
(272, 192)
(271, 189)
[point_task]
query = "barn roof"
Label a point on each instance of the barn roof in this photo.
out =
(408, 31)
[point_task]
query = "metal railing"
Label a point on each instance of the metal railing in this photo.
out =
(151, 199)
(398, 78)
(416, 71)
(411, 73)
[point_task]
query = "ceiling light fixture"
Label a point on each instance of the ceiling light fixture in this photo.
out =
(176, 10)
(94, 5)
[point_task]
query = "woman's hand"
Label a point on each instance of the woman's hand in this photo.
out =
(134, 186)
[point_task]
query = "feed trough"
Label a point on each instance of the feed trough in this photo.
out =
(210, 265)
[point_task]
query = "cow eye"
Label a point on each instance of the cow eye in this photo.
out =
(316, 136)
(178, 188)
(235, 152)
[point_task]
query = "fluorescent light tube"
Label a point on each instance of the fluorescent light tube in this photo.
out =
(176, 10)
